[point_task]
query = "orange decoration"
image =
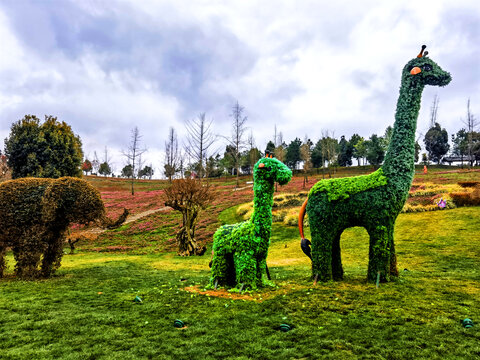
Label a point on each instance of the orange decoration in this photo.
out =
(261, 165)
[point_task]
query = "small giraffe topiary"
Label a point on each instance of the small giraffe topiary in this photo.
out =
(372, 201)
(240, 250)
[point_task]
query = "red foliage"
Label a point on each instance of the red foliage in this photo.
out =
(116, 200)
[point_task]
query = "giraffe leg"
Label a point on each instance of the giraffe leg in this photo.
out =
(337, 268)
(261, 271)
(322, 242)
(379, 254)
(220, 270)
(245, 269)
(393, 256)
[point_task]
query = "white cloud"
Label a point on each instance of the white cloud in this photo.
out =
(305, 66)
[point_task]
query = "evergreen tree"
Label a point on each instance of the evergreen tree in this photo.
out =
(104, 169)
(214, 167)
(270, 147)
(375, 150)
(317, 155)
(229, 159)
(293, 156)
(127, 171)
(354, 141)
(385, 140)
(417, 151)
(345, 152)
(436, 143)
(147, 171)
(48, 150)
(460, 143)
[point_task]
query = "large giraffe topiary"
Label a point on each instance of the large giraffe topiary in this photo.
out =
(372, 201)
(240, 250)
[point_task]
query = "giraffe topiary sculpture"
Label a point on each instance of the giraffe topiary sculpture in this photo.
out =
(372, 201)
(240, 250)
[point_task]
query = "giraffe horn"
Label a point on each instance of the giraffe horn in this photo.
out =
(421, 51)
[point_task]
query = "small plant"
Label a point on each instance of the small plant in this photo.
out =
(466, 198)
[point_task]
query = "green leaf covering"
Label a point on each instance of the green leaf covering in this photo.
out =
(338, 189)
(372, 201)
(240, 250)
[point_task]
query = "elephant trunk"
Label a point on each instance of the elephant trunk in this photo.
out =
(106, 223)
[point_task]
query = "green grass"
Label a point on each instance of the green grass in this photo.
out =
(86, 311)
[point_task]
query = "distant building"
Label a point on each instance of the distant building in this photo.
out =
(459, 159)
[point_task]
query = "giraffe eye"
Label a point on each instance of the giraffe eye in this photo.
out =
(427, 67)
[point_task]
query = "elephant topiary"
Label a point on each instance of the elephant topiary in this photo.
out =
(35, 214)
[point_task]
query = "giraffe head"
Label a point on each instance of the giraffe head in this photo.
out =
(424, 71)
(270, 169)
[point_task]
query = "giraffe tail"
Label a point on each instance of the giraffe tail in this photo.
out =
(304, 243)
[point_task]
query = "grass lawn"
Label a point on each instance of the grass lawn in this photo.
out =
(86, 311)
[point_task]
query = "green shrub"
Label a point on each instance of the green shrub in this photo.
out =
(34, 216)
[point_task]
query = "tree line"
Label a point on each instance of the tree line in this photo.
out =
(51, 149)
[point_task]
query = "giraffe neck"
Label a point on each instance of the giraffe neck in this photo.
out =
(262, 210)
(399, 164)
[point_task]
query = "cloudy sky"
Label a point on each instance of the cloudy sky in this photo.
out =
(106, 66)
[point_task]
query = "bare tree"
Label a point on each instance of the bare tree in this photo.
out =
(434, 111)
(329, 149)
(172, 155)
(199, 139)
(306, 155)
(279, 139)
(134, 152)
(95, 163)
(238, 130)
(471, 123)
(275, 136)
(253, 153)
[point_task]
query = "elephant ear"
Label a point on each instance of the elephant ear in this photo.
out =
(51, 201)
(71, 200)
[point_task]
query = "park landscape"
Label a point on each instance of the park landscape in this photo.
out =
(283, 252)
(87, 309)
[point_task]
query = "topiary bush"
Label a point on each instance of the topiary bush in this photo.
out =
(372, 201)
(240, 250)
(35, 214)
